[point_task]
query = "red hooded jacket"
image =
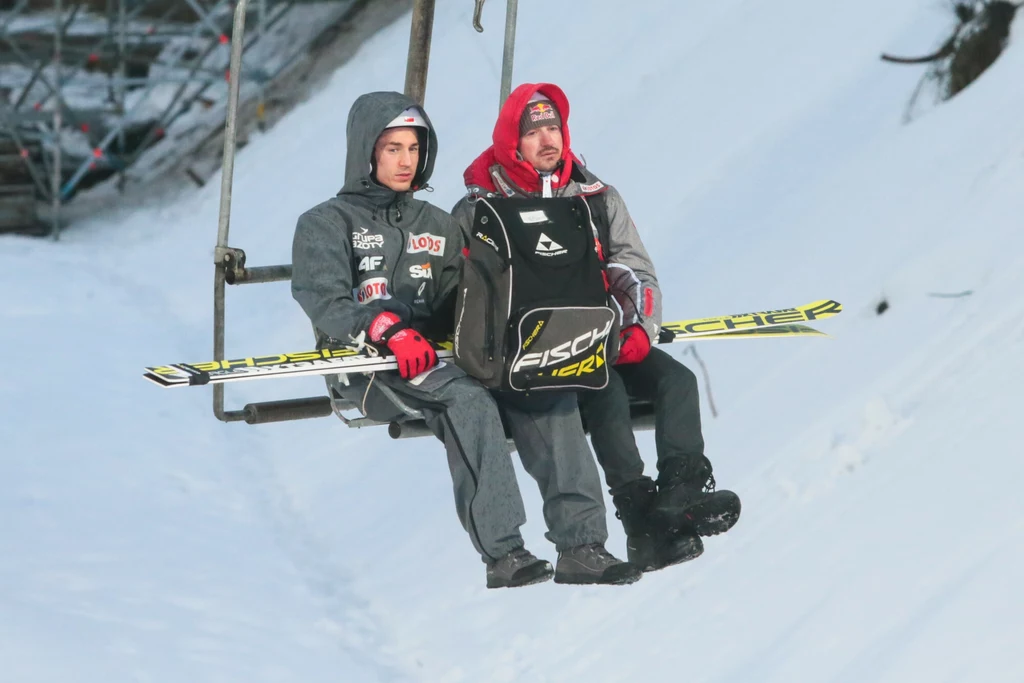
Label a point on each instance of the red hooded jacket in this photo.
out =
(630, 275)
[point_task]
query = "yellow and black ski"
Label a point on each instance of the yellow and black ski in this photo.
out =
(786, 322)
(753, 323)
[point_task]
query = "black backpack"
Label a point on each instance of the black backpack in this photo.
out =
(532, 311)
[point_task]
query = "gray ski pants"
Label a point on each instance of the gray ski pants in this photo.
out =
(554, 450)
(463, 415)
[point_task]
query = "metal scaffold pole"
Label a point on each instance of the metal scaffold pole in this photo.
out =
(121, 86)
(58, 122)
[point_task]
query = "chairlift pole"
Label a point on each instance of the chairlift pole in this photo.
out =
(508, 56)
(509, 51)
(222, 254)
(419, 50)
(229, 263)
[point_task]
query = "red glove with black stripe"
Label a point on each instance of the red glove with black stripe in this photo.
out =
(634, 345)
(414, 353)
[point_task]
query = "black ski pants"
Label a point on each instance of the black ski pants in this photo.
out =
(666, 382)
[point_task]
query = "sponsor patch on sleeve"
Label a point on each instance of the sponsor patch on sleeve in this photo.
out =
(422, 272)
(373, 289)
(371, 263)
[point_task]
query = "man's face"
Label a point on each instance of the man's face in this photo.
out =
(542, 147)
(397, 154)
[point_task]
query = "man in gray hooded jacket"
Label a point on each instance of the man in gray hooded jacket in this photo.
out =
(374, 264)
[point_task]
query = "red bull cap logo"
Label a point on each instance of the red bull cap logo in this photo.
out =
(541, 111)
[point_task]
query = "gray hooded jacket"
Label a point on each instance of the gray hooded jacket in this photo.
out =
(370, 249)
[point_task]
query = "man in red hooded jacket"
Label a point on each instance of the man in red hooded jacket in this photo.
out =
(530, 157)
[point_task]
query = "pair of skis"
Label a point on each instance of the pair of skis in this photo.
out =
(787, 322)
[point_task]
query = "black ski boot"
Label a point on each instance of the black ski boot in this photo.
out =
(687, 499)
(649, 543)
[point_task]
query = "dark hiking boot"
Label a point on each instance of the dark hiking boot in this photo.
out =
(687, 499)
(593, 564)
(664, 549)
(649, 543)
(518, 568)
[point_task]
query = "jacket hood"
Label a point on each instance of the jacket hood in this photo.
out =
(505, 142)
(369, 116)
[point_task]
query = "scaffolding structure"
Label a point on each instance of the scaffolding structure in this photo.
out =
(88, 87)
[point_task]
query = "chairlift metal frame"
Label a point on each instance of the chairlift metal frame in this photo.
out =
(230, 266)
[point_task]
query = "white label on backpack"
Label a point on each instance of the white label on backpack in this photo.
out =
(536, 216)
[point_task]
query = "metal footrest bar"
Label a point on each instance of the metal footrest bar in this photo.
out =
(288, 409)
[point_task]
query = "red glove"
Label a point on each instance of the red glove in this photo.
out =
(634, 345)
(414, 353)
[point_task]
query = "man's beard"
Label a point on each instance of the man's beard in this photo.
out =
(549, 165)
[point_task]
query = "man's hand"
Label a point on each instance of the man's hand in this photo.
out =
(414, 353)
(634, 345)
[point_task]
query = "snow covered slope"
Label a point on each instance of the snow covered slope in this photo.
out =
(760, 149)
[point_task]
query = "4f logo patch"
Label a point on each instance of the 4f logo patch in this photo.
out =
(432, 244)
(370, 263)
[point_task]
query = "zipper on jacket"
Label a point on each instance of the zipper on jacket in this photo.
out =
(488, 314)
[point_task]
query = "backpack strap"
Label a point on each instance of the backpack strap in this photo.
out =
(599, 214)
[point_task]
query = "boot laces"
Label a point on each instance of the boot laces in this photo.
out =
(520, 557)
(600, 553)
(709, 485)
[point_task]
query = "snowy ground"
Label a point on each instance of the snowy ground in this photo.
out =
(761, 152)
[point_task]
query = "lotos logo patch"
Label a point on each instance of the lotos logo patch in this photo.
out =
(432, 244)
(373, 289)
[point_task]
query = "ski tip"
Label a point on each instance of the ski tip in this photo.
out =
(156, 379)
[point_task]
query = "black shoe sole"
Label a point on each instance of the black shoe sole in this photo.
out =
(623, 578)
(704, 519)
(684, 555)
(651, 561)
(538, 572)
